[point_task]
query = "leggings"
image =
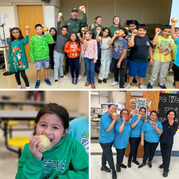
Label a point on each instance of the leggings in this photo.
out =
(134, 144)
(120, 155)
(23, 75)
(149, 150)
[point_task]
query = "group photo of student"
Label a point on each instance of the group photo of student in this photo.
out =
(77, 51)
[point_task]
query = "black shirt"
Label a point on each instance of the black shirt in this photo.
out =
(168, 132)
(140, 51)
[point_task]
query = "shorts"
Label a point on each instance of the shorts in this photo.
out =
(175, 72)
(42, 63)
(137, 69)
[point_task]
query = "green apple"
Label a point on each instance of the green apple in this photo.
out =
(45, 141)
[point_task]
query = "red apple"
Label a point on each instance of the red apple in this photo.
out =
(27, 27)
(98, 28)
(174, 19)
(116, 32)
(45, 141)
(45, 29)
(125, 116)
(135, 31)
(158, 29)
(154, 123)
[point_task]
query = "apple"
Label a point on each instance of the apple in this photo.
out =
(81, 7)
(135, 31)
(92, 25)
(45, 29)
(114, 114)
(116, 32)
(84, 40)
(82, 28)
(126, 28)
(45, 141)
(158, 29)
(125, 116)
(98, 28)
(60, 14)
(43, 26)
(27, 27)
(174, 19)
(154, 123)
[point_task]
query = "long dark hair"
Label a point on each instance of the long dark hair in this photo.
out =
(171, 111)
(119, 25)
(53, 108)
(55, 36)
(82, 25)
(91, 33)
(77, 39)
(103, 29)
(12, 37)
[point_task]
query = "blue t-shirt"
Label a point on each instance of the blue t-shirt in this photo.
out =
(104, 136)
(121, 139)
(118, 46)
(79, 129)
(176, 62)
(136, 131)
(150, 134)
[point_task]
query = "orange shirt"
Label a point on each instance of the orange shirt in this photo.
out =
(69, 47)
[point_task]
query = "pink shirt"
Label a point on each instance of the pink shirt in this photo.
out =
(91, 50)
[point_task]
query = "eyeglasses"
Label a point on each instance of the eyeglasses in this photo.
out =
(125, 113)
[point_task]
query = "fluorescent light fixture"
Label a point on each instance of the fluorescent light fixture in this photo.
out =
(137, 94)
(94, 93)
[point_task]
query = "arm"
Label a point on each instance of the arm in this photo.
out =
(111, 40)
(171, 62)
(142, 139)
(154, 41)
(173, 31)
(131, 42)
(32, 58)
(121, 128)
(173, 128)
(95, 51)
(97, 39)
(122, 57)
(151, 55)
(135, 123)
(49, 38)
(58, 24)
(84, 20)
(157, 129)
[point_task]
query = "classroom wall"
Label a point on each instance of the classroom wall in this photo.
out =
(174, 10)
(149, 12)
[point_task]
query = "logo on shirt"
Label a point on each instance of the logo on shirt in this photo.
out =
(68, 24)
(118, 47)
(147, 43)
(165, 47)
(85, 143)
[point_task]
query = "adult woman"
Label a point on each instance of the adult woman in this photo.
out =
(98, 20)
(136, 126)
(150, 135)
(106, 138)
(121, 138)
(166, 140)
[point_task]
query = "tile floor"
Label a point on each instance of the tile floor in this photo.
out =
(133, 172)
(8, 82)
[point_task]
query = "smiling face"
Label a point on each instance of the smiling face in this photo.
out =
(124, 114)
(39, 30)
(73, 37)
(105, 33)
(116, 21)
(171, 115)
(112, 110)
(132, 27)
(74, 14)
(51, 126)
(98, 20)
(15, 34)
(153, 116)
(142, 112)
(53, 32)
(64, 31)
(166, 33)
(141, 32)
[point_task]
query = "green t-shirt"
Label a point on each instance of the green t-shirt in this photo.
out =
(112, 30)
(94, 30)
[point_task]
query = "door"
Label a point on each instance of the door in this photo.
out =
(153, 95)
(29, 15)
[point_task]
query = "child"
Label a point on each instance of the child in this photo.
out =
(73, 48)
(138, 61)
(65, 158)
(176, 62)
(59, 53)
(82, 36)
(17, 56)
(105, 54)
(163, 57)
(53, 32)
(132, 25)
(39, 52)
(91, 56)
(119, 56)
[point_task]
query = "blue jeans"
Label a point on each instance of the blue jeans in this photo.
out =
(42, 63)
(74, 65)
(90, 66)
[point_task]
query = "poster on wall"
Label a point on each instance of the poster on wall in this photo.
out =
(137, 103)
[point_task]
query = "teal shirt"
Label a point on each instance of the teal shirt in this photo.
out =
(112, 30)
(94, 30)
(17, 55)
(39, 49)
(121, 139)
(67, 159)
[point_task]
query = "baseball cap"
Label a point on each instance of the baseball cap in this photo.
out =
(74, 9)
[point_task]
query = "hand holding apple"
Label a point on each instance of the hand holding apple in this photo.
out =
(27, 27)
(157, 30)
(134, 32)
(116, 32)
(174, 19)
(60, 14)
(98, 29)
(82, 8)
(45, 142)
(92, 26)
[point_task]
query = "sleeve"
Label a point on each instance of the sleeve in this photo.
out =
(173, 128)
(79, 164)
(26, 40)
(84, 20)
(177, 41)
(71, 127)
(58, 28)
(105, 122)
(49, 38)
(66, 48)
(95, 50)
(133, 119)
(125, 44)
(28, 166)
(32, 58)
(99, 37)
(143, 128)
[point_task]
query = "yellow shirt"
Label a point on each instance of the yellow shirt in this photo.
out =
(163, 49)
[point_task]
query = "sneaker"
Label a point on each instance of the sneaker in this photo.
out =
(161, 166)
(105, 168)
(52, 72)
(118, 168)
(134, 80)
(149, 86)
(123, 166)
(28, 87)
(64, 77)
(141, 86)
(99, 81)
(19, 87)
(104, 81)
(141, 165)
(150, 164)
(165, 174)
(47, 81)
(114, 176)
(162, 86)
(37, 84)
(136, 162)
(76, 80)
(114, 83)
(73, 80)
(57, 84)
(79, 77)
(127, 86)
